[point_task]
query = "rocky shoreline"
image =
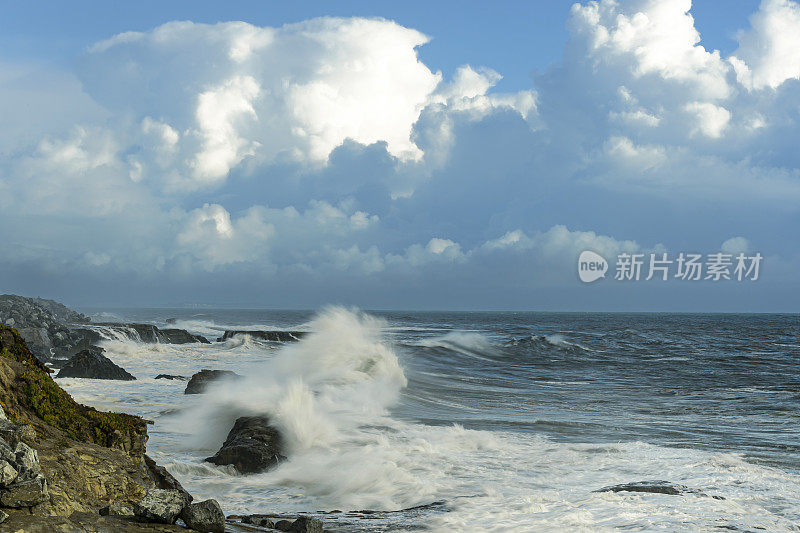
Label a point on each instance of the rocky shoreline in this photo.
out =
(67, 467)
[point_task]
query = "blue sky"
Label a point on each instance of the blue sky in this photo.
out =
(396, 155)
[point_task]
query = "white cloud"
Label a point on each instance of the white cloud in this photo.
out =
(735, 245)
(711, 119)
(769, 52)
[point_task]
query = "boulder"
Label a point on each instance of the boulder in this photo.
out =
(283, 525)
(25, 493)
(259, 520)
(3, 517)
(180, 336)
(8, 474)
(161, 506)
(252, 446)
(201, 380)
(268, 335)
(206, 517)
(93, 364)
(170, 376)
(116, 509)
(162, 479)
(26, 460)
(306, 524)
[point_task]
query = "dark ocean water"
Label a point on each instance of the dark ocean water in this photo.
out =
(539, 397)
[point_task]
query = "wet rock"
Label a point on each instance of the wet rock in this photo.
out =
(206, 517)
(162, 479)
(259, 520)
(117, 509)
(201, 380)
(25, 493)
(181, 336)
(306, 524)
(655, 487)
(170, 376)
(161, 506)
(273, 336)
(252, 446)
(283, 525)
(93, 364)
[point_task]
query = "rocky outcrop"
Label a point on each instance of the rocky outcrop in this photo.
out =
(67, 467)
(201, 380)
(273, 336)
(93, 364)
(21, 481)
(206, 516)
(162, 479)
(148, 333)
(27, 392)
(171, 377)
(655, 487)
(45, 326)
(253, 445)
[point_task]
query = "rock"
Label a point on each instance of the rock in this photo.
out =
(2, 414)
(181, 336)
(8, 474)
(26, 460)
(206, 516)
(273, 336)
(306, 524)
(252, 446)
(162, 478)
(116, 509)
(3, 517)
(201, 380)
(259, 520)
(161, 506)
(170, 376)
(655, 487)
(13, 433)
(26, 493)
(283, 525)
(151, 334)
(93, 364)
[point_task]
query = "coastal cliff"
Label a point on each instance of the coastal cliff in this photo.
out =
(88, 458)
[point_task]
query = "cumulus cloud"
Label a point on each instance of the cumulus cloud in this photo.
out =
(327, 149)
(767, 55)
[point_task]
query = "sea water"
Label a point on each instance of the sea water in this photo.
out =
(481, 421)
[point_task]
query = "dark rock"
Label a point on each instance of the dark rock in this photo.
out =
(170, 376)
(259, 520)
(3, 517)
(116, 509)
(200, 380)
(306, 524)
(655, 487)
(274, 336)
(25, 493)
(206, 517)
(252, 446)
(148, 333)
(162, 478)
(161, 506)
(93, 364)
(283, 525)
(44, 324)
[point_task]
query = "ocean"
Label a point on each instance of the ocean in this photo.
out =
(495, 422)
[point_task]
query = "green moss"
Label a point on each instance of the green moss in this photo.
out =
(55, 406)
(12, 346)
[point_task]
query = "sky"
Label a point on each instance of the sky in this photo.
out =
(403, 155)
